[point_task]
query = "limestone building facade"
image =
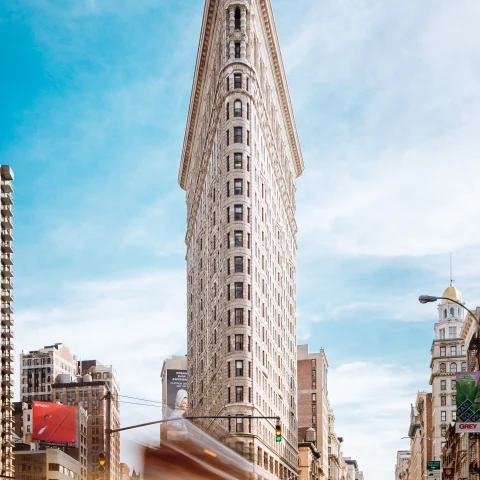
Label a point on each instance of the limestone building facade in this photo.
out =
(6, 387)
(39, 368)
(241, 157)
(449, 356)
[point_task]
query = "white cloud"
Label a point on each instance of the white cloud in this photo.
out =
(132, 323)
(371, 403)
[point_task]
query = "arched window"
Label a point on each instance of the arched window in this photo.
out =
(237, 109)
(453, 367)
(237, 19)
(452, 312)
(445, 313)
(464, 366)
(443, 368)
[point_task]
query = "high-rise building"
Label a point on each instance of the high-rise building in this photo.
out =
(6, 414)
(241, 157)
(39, 368)
(89, 393)
(313, 404)
(448, 357)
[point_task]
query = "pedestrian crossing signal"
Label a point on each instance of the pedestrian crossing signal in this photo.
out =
(278, 432)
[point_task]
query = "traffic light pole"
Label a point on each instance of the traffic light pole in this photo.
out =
(108, 447)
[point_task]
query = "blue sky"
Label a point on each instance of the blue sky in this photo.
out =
(93, 103)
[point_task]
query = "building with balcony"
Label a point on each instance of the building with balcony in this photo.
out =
(240, 161)
(6, 366)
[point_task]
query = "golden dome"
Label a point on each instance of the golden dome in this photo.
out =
(453, 293)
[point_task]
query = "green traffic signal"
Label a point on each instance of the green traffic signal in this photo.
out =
(278, 432)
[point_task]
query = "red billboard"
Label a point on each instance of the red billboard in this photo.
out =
(55, 423)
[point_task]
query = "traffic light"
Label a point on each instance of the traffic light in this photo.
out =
(102, 459)
(278, 432)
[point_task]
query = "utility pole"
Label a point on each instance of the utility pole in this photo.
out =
(108, 446)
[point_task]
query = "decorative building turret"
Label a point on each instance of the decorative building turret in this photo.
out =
(448, 357)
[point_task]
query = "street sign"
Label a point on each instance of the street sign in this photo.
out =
(433, 465)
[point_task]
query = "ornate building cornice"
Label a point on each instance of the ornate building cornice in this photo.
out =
(205, 45)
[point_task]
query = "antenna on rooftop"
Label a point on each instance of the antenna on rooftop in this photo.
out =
(451, 270)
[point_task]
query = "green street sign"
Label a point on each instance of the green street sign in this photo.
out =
(433, 465)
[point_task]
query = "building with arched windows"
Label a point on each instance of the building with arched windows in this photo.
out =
(448, 357)
(241, 157)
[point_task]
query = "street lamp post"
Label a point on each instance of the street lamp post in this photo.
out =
(430, 299)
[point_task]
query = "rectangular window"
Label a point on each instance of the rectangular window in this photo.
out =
(237, 49)
(228, 163)
(314, 407)
(453, 351)
(248, 84)
(248, 137)
(228, 369)
(443, 401)
(228, 189)
(454, 384)
(443, 415)
(239, 395)
(237, 160)
(239, 368)
(452, 332)
(314, 384)
(227, 111)
(228, 343)
(237, 135)
(442, 333)
(228, 292)
(443, 384)
(248, 111)
(228, 214)
(237, 80)
(314, 373)
(238, 264)
(443, 351)
(314, 419)
(238, 238)
(238, 186)
(228, 137)
(228, 266)
(228, 395)
(238, 289)
(238, 342)
(239, 316)
(314, 397)
(238, 209)
(228, 83)
(239, 424)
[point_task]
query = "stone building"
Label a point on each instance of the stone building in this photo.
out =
(334, 452)
(39, 368)
(89, 394)
(421, 444)
(401, 467)
(308, 456)
(313, 405)
(241, 157)
(6, 386)
(448, 357)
